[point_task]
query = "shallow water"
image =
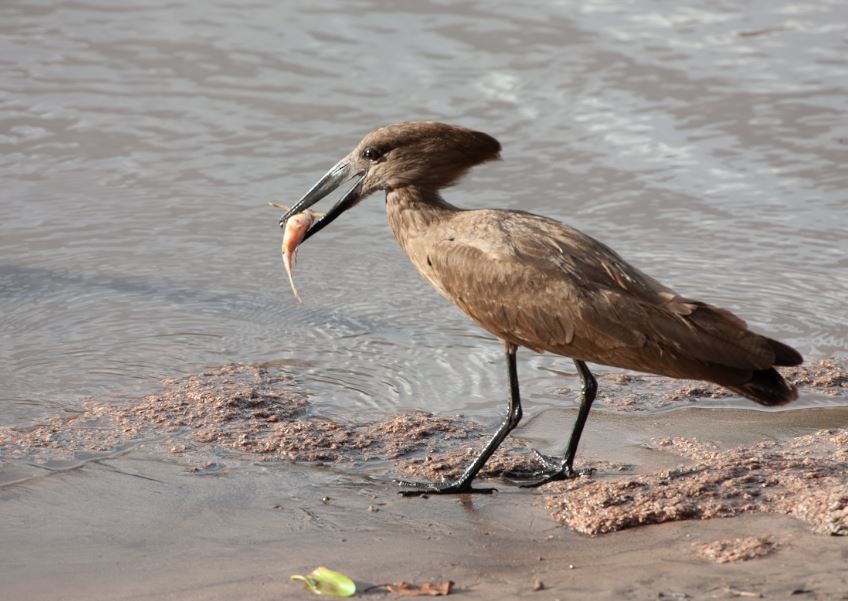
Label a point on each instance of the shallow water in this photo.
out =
(140, 143)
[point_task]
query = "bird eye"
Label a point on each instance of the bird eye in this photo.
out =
(371, 153)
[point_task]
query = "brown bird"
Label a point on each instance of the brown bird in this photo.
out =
(535, 282)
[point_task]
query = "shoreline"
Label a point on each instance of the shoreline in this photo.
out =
(182, 494)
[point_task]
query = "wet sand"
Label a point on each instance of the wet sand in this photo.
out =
(221, 485)
(132, 528)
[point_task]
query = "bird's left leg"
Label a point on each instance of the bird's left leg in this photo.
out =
(463, 484)
(562, 469)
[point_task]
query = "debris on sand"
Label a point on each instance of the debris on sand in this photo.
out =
(737, 549)
(221, 404)
(696, 450)
(407, 589)
(511, 461)
(428, 589)
(511, 457)
(416, 431)
(230, 405)
(805, 477)
(829, 376)
(327, 582)
(238, 407)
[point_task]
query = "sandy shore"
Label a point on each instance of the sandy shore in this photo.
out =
(191, 493)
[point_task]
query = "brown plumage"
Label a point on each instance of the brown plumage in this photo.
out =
(535, 282)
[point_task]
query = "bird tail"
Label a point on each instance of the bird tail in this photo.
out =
(785, 354)
(767, 386)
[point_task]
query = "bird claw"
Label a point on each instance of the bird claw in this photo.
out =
(549, 463)
(553, 469)
(564, 472)
(416, 489)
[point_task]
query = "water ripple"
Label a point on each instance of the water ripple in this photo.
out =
(139, 143)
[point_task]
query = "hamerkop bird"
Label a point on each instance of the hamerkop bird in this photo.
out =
(535, 282)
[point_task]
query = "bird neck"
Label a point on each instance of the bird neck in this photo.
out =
(412, 212)
(412, 208)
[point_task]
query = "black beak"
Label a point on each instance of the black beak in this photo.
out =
(334, 178)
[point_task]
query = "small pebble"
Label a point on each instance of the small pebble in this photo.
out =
(325, 500)
(538, 585)
(373, 509)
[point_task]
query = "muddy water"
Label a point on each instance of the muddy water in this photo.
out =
(140, 142)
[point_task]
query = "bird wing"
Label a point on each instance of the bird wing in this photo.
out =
(538, 283)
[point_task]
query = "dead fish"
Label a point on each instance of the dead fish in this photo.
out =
(296, 228)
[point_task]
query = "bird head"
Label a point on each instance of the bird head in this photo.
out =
(424, 154)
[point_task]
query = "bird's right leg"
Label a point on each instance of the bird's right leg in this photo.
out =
(463, 483)
(555, 468)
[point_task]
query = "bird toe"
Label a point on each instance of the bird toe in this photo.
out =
(418, 489)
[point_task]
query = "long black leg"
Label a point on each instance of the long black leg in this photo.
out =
(463, 484)
(590, 389)
(561, 470)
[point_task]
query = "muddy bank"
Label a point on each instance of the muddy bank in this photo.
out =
(129, 528)
(263, 415)
(182, 495)
(238, 408)
(806, 477)
(737, 549)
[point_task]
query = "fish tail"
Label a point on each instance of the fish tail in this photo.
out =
(287, 262)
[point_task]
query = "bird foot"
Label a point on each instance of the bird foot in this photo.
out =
(549, 462)
(553, 469)
(417, 489)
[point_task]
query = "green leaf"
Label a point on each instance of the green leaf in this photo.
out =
(324, 581)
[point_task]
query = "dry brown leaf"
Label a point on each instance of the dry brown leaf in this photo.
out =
(428, 589)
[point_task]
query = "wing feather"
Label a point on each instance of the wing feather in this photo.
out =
(538, 283)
